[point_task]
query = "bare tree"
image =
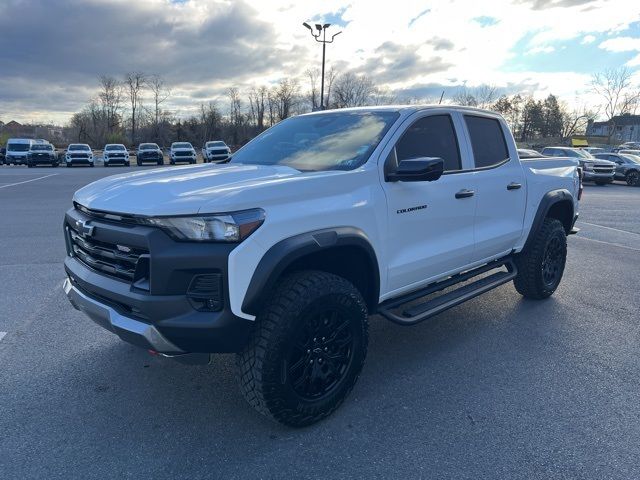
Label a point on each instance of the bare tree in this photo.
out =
(285, 97)
(160, 93)
(134, 83)
(313, 74)
(329, 78)
(110, 98)
(235, 113)
(210, 119)
(483, 96)
(575, 120)
(257, 102)
(351, 90)
(614, 88)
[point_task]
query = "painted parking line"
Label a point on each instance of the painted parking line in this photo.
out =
(27, 181)
(581, 237)
(609, 228)
(2, 334)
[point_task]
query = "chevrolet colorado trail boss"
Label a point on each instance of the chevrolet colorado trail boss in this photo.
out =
(282, 254)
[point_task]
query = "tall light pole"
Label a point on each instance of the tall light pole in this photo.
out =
(321, 31)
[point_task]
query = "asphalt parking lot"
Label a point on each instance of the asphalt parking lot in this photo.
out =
(499, 387)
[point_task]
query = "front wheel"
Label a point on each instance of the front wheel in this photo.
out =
(541, 267)
(307, 349)
(633, 178)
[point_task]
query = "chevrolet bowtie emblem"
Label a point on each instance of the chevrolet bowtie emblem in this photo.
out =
(84, 228)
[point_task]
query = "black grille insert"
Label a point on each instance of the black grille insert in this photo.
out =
(118, 261)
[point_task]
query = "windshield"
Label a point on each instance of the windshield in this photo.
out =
(328, 141)
(110, 148)
(42, 147)
(82, 148)
(216, 144)
(182, 145)
(633, 158)
(148, 146)
(17, 147)
(582, 153)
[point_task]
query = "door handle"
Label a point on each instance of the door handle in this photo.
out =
(465, 193)
(514, 186)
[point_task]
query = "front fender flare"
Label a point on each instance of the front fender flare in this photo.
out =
(281, 255)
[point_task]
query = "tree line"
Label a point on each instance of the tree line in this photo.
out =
(131, 109)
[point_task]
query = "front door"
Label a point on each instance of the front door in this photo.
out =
(430, 224)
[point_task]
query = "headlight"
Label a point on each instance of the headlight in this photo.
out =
(229, 227)
(588, 166)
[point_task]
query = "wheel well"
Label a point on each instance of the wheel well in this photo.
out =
(563, 211)
(350, 262)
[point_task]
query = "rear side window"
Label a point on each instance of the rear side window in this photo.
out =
(487, 141)
(432, 136)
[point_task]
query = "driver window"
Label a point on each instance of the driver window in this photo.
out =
(432, 136)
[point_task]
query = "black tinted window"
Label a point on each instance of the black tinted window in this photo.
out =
(487, 141)
(431, 137)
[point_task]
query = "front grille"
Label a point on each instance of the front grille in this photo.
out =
(79, 155)
(183, 154)
(115, 155)
(603, 168)
(118, 261)
(218, 152)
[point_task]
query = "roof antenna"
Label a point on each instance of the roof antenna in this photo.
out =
(441, 97)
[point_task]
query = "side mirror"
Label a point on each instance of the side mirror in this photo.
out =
(423, 169)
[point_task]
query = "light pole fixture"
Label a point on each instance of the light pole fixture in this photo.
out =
(321, 31)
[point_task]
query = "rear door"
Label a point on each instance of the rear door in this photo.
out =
(430, 224)
(500, 187)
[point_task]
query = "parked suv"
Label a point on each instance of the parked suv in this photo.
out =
(593, 170)
(42, 153)
(182, 152)
(78, 154)
(627, 166)
(326, 218)
(149, 152)
(215, 152)
(115, 153)
(17, 151)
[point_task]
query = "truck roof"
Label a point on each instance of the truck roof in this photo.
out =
(407, 109)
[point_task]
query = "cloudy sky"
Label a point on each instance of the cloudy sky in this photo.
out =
(52, 51)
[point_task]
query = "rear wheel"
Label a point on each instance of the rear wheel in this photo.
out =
(540, 268)
(307, 349)
(633, 178)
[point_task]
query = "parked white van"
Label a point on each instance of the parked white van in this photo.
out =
(17, 151)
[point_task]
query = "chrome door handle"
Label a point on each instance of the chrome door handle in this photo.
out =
(514, 186)
(465, 193)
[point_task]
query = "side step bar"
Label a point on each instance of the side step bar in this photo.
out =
(428, 309)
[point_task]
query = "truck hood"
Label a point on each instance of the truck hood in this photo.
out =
(179, 190)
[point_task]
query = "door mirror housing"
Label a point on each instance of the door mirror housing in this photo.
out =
(423, 169)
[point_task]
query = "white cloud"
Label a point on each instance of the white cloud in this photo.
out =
(624, 44)
(204, 46)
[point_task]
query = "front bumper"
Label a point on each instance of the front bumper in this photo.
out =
(42, 160)
(161, 310)
(217, 158)
(590, 176)
(79, 160)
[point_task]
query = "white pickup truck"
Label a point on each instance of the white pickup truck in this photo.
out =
(323, 220)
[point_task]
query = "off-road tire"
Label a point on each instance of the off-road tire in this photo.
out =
(530, 282)
(263, 369)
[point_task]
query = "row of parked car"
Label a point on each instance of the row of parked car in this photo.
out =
(598, 165)
(24, 151)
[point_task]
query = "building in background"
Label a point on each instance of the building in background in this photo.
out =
(621, 128)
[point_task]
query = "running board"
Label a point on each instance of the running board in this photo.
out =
(423, 311)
